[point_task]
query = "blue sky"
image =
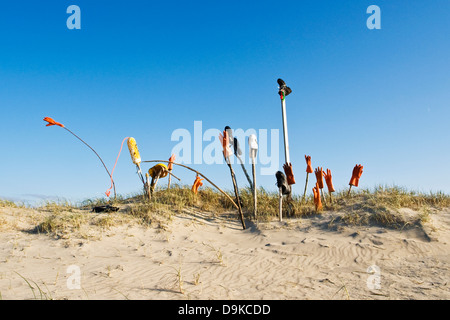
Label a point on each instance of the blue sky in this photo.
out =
(146, 68)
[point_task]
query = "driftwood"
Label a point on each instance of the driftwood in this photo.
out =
(245, 172)
(236, 192)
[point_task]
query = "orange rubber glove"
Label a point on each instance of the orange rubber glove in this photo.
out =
(52, 122)
(225, 144)
(309, 168)
(357, 172)
(328, 180)
(317, 200)
(197, 184)
(319, 176)
(170, 165)
(289, 173)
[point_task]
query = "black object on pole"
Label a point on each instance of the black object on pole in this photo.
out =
(282, 183)
(283, 88)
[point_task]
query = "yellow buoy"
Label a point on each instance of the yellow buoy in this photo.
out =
(159, 169)
(134, 152)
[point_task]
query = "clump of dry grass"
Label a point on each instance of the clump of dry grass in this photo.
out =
(120, 199)
(397, 197)
(106, 221)
(150, 214)
(176, 279)
(217, 252)
(381, 205)
(61, 224)
(64, 219)
(57, 206)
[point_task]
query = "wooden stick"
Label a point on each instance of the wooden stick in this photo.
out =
(306, 186)
(169, 179)
(255, 200)
(147, 187)
(289, 201)
(280, 203)
(350, 189)
(109, 174)
(323, 197)
(200, 174)
(139, 173)
(154, 182)
(245, 172)
(172, 175)
(236, 192)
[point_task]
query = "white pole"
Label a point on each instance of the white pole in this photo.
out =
(253, 148)
(283, 92)
(255, 206)
(285, 130)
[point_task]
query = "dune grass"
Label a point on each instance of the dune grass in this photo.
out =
(379, 205)
(10, 204)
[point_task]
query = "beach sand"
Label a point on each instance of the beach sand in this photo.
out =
(201, 255)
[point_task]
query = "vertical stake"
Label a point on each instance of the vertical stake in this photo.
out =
(153, 184)
(236, 192)
(147, 186)
(255, 204)
(350, 189)
(306, 186)
(280, 203)
(253, 149)
(323, 197)
(169, 178)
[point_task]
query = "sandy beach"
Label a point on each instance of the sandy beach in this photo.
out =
(201, 255)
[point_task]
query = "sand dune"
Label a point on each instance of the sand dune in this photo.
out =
(198, 255)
